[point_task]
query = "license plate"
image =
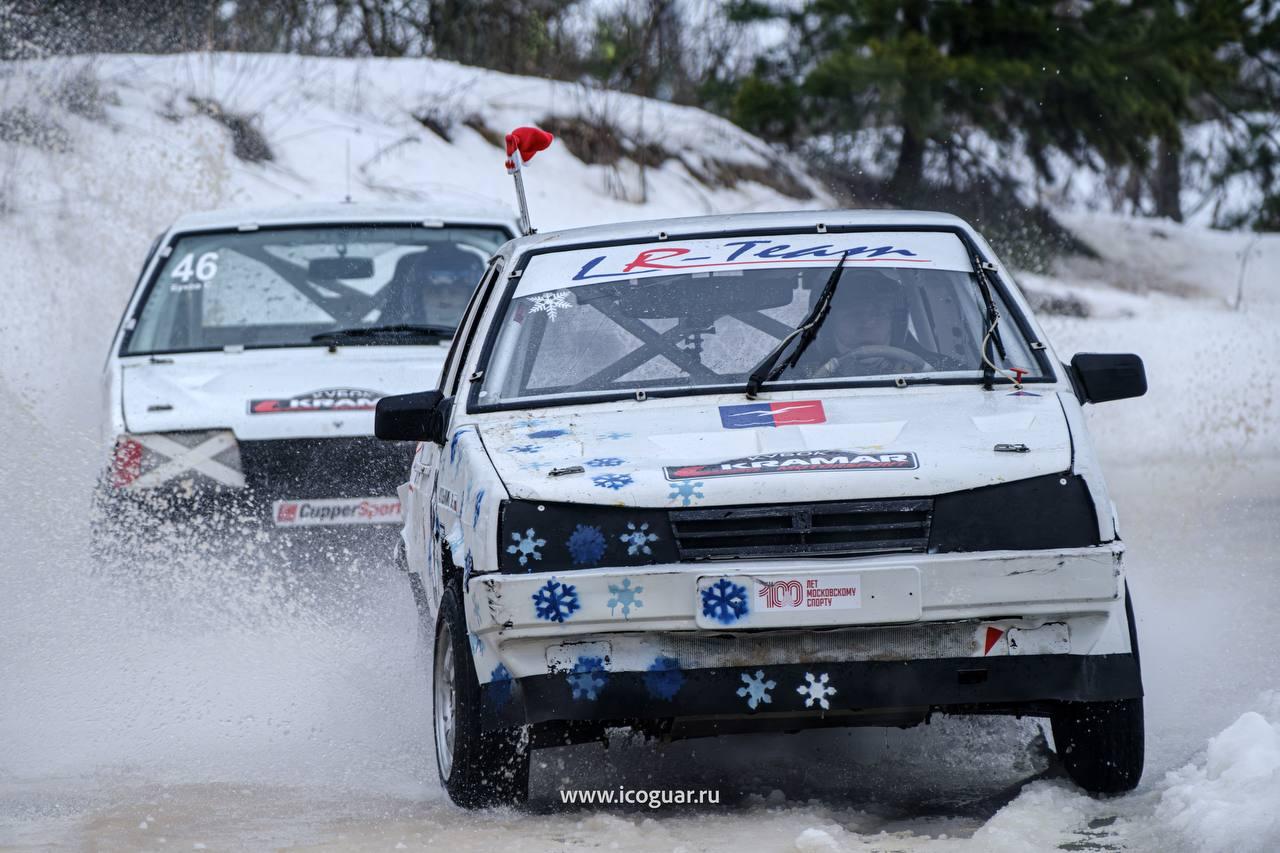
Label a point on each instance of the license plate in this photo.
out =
(777, 599)
(326, 512)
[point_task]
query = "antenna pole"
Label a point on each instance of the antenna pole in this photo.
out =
(348, 169)
(517, 165)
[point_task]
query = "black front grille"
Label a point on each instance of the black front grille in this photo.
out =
(305, 468)
(848, 527)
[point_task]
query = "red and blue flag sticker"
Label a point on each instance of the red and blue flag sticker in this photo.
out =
(752, 415)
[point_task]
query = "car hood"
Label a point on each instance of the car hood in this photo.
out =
(308, 392)
(726, 450)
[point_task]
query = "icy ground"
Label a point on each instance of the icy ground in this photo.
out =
(260, 706)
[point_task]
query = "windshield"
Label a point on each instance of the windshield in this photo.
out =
(286, 287)
(702, 314)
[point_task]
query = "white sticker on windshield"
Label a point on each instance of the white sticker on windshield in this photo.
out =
(635, 261)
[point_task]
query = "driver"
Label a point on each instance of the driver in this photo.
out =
(865, 333)
(432, 286)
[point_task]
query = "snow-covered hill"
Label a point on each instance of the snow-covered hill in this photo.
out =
(98, 155)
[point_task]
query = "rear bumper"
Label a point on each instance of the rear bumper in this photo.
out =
(853, 690)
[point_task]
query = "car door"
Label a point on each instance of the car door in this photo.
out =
(422, 510)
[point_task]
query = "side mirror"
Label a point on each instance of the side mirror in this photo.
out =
(413, 417)
(1099, 377)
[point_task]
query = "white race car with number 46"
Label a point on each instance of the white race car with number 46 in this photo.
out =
(241, 383)
(725, 474)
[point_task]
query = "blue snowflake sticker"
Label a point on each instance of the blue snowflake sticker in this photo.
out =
(586, 545)
(605, 462)
(724, 601)
(664, 679)
(524, 448)
(556, 601)
(526, 546)
(477, 644)
(626, 596)
(500, 685)
(756, 689)
(612, 481)
(588, 676)
(637, 539)
(475, 519)
(686, 492)
(548, 433)
(613, 436)
(453, 444)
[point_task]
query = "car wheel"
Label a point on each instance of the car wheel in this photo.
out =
(477, 768)
(1102, 744)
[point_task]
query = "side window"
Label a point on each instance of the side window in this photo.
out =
(449, 377)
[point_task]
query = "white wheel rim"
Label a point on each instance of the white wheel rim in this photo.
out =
(444, 699)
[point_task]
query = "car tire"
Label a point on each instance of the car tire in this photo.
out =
(1102, 744)
(477, 769)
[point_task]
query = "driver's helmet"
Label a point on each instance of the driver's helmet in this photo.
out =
(864, 290)
(433, 286)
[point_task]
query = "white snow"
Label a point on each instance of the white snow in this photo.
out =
(247, 706)
(1230, 799)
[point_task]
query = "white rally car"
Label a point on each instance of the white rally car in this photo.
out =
(741, 473)
(240, 388)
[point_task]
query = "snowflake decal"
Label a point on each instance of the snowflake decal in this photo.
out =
(816, 690)
(524, 448)
(556, 601)
(637, 539)
(756, 689)
(477, 644)
(686, 492)
(475, 519)
(587, 677)
(664, 679)
(529, 423)
(605, 462)
(625, 596)
(468, 566)
(613, 436)
(724, 601)
(612, 481)
(551, 303)
(536, 465)
(548, 433)
(586, 545)
(526, 546)
(500, 685)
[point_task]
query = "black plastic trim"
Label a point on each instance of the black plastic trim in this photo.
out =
(1030, 684)
(1053, 511)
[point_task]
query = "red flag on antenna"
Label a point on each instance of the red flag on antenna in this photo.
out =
(528, 141)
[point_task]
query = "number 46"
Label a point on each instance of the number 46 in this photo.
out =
(205, 268)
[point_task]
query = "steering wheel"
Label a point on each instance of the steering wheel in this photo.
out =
(877, 357)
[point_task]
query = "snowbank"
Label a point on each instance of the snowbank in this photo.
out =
(1230, 800)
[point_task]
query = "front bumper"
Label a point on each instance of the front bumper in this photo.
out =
(998, 630)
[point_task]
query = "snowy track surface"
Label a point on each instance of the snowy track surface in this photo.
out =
(248, 705)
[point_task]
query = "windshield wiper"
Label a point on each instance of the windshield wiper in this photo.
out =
(416, 330)
(807, 331)
(992, 337)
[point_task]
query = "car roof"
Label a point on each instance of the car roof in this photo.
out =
(316, 213)
(736, 222)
